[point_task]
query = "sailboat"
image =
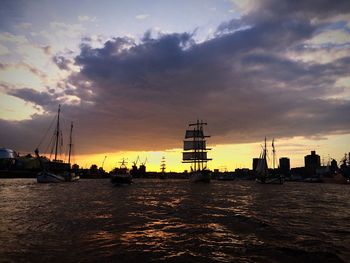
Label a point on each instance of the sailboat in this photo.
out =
(56, 171)
(262, 171)
(121, 175)
(195, 152)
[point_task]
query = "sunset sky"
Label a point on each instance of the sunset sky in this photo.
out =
(132, 75)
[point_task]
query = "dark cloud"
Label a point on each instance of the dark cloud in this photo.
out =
(39, 98)
(141, 95)
(275, 10)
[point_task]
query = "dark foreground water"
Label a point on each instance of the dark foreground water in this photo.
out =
(173, 220)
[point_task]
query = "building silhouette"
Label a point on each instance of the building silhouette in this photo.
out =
(334, 166)
(312, 162)
(284, 163)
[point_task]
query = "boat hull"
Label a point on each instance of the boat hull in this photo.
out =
(200, 176)
(117, 179)
(50, 177)
(270, 180)
(46, 177)
(71, 177)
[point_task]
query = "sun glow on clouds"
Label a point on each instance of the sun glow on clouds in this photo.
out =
(344, 84)
(242, 6)
(12, 108)
(26, 64)
(331, 37)
(10, 76)
(318, 55)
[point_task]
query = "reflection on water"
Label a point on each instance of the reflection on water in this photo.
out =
(173, 220)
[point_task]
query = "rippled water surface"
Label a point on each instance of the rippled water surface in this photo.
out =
(173, 220)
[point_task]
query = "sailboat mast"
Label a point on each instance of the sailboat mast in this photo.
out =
(200, 127)
(57, 131)
(274, 153)
(70, 142)
(195, 149)
(162, 165)
(265, 159)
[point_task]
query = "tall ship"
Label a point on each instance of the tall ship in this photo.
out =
(195, 152)
(262, 171)
(56, 170)
(162, 168)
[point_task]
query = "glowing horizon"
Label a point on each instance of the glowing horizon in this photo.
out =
(225, 157)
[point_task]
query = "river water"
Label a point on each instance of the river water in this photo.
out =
(173, 221)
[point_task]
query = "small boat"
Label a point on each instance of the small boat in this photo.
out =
(121, 175)
(195, 152)
(56, 171)
(263, 175)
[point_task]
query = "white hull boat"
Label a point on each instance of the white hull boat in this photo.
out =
(46, 177)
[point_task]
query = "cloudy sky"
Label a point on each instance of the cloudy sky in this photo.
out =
(133, 74)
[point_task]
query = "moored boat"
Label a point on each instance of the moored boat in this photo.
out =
(47, 177)
(263, 175)
(121, 175)
(56, 171)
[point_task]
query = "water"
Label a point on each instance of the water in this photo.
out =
(173, 220)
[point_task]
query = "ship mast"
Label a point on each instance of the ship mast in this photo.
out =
(265, 158)
(162, 165)
(274, 153)
(70, 142)
(195, 149)
(57, 131)
(198, 143)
